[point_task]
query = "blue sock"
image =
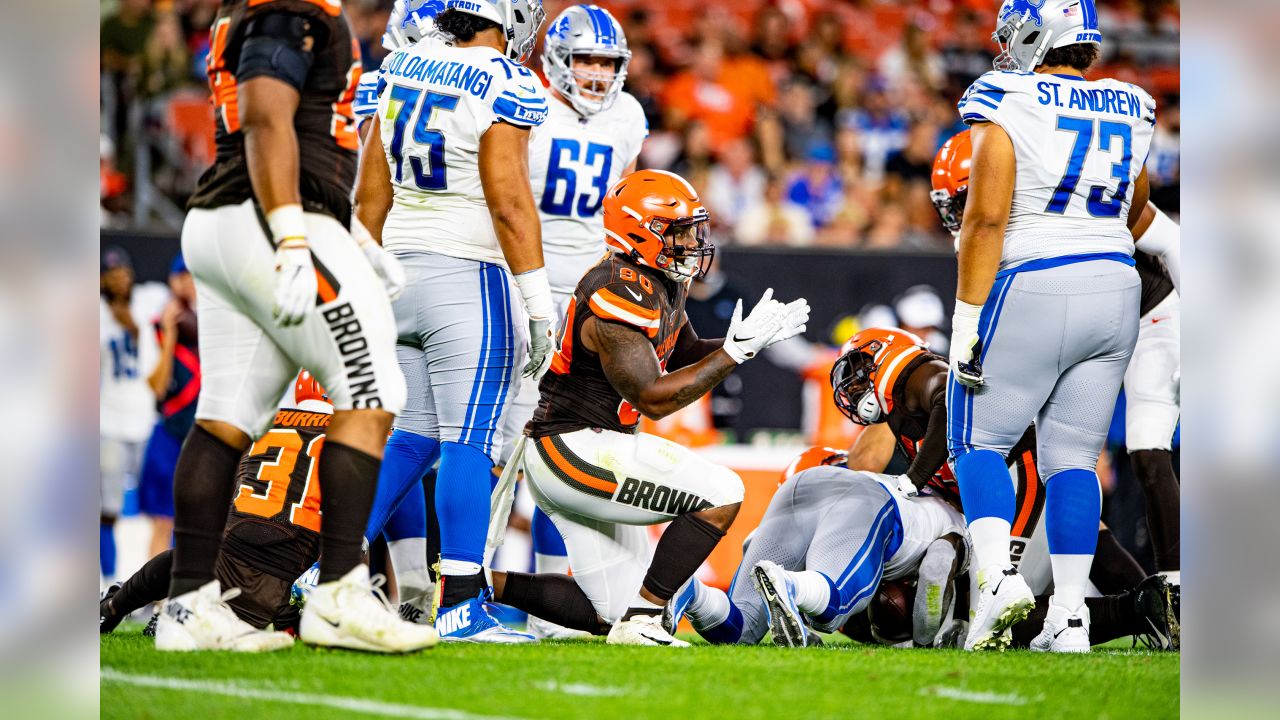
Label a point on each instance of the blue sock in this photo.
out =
(407, 458)
(107, 550)
(409, 519)
(462, 502)
(1072, 507)
(985, 487)
(546, 538)
(727, 632)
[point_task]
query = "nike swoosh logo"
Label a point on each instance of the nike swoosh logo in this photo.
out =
(634, 294)
(742, 339)
(660, 641)
(1156, 320)
(526, 88)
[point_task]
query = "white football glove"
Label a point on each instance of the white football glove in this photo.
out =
(295, 291)
(748, 336)
(794, 321)
(386, 265)
(542, 345)
(905, 486)
(966, 347)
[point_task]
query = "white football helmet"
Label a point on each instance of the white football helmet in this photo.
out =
(1027, 29)
(519, 20)
(585, 30)
(410, 21)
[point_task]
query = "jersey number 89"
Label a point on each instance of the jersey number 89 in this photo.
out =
(429, 171)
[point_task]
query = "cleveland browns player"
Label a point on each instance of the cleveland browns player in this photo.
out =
(272, 531)
(627, 349)
(282, 284)
(1152, 380)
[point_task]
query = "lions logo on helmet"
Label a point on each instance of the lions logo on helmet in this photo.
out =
(586, 31)
(410, 21)
(1027, 29)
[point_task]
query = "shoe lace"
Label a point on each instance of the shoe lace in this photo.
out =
(376, 584)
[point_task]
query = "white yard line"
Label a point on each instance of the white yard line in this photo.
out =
(339, 702)
(579, 689)
(988, 698)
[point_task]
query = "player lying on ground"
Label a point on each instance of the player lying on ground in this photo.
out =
(628, 349)
(887, 379)
(1152, 379)
(272, 530)
(827, 539)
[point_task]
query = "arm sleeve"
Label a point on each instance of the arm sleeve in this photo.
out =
(281, 45)
(984, 101)
(628, 304)
(1163, 239)
(932, 451)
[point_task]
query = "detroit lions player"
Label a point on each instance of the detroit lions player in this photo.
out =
(450, 197)
(591, 138)
(1047, 301)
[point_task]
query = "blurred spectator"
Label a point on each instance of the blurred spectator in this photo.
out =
(915, 161)
(920, 311)
(914, 60)
(735, 183)
(694, 160)
(124, 36)
(165, 61)
(801, 126)
(817, 188)
(175, 381)
(704, 92)
(966, 52)
(772, 36)
(881, 124)
(775, 220)
(1164, 160)
(112, 184)
(645, 85)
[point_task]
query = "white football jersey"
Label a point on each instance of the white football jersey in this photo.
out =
(573, 161)
(126, 404)
(435, 101)
(1080, 146)
(925, 518)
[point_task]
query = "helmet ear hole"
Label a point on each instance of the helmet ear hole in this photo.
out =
(1031, 38)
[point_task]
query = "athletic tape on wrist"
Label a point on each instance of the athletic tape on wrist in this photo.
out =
(535, 288)
(287, 223)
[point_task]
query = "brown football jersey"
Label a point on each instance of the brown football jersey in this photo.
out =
(575, 392)
(274, 523)
(326, 128)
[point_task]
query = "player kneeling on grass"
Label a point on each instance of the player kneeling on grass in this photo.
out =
(828, 538)
(628, 349)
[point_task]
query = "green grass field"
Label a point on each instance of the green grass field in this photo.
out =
(592, 680)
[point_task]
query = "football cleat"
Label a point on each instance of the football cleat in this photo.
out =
(547, 630)
(108, 619)
(643, 630)
(674, 610)
(150, 629)
(471, 621)
(1153, 602)
(303, 586)
(779, 593)
(202, 620)
(1065, 630)
(353, 613)
(1003, 600)
(415, 606)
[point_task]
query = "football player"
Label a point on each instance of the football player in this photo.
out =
(627, 349)
(828, 538)
(1152, 379)
(1047, 300)
(591, 138)
(449, 195)
(282, 284)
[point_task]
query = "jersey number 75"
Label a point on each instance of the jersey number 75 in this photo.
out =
(428, 170)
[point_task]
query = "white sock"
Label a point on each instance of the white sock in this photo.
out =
(1173, 577)
(641, 604)
(409, 560)
(990, 536)
(458, 567)
(1070, 579)
(813, 591)
(558, 564)
(709, 608)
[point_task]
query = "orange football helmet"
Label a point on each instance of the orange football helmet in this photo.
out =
(815, 456)
(950, 179)
(307, 388)
(870, 363)
(657, 219)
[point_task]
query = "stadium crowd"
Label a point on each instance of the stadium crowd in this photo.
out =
(804, 122)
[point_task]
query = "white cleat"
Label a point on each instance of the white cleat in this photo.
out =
(779, 594)
(202, 620)
(547, 630)
(346, 614)
(415, 605)
(643, 630)
(1065, 630)
(1003, 600)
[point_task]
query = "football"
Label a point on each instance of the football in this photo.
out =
(890, 611)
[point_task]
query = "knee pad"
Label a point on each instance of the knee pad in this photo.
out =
(728, 488)
(1149, 425)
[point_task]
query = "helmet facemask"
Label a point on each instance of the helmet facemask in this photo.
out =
(950, 208)
(852, 388)
(686, 248)
(587, 88)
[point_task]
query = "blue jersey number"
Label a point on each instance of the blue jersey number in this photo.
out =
(561, 196)
(428, 172)
(124, 356)
(1106, 131)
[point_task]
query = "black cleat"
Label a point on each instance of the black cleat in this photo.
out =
(108, 619)
(150, 629)
(1154, 603)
